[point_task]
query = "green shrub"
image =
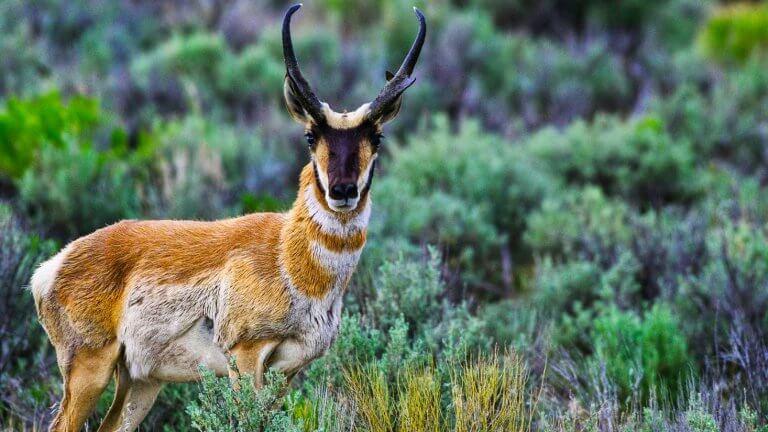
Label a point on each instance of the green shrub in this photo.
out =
(577, 220)
(319, 49)
(407, 322)
(196, 56)
(735, 32)
(698, 419)
(560, 290)
(358, 13)
(569, 295)
(72, 176)
(26, 367)
(213, 76)
(116, 32)
(724, 124)
(728, 298)
(256, 70)
(641, 356)
(512, 323)
(407, 290)
(551, 82)
(220, 408)
(211, 169)
(27, 125)
(23, 63)
(623, 158)
(74, 190)
(468, 192)
(529, 80)
(357, 342)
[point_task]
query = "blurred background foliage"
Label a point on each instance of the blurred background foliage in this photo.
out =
(570, 225)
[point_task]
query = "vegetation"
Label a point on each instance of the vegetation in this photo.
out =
(570, 228)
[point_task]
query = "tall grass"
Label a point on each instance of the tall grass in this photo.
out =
(490, 395)
(487, 394)
(419, 403)
(369, 390)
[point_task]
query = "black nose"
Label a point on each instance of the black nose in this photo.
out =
(343, 191)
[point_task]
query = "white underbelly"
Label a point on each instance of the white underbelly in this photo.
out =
(182, 358)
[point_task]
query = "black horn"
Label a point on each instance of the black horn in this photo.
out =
(300, 86)
(402, 79)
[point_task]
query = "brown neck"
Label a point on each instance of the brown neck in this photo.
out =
(316, 242)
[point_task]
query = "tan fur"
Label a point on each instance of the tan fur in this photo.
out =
(151, 287)
(251, 358)
(86, 375)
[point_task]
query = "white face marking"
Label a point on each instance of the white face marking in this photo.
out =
(341, 206)
(322, 175)
(363, 179)
(330, 223)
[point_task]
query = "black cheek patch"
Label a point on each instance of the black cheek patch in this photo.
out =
(370, 178)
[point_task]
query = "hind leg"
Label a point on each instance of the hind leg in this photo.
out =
(138, 398)
(86, 374)
(122, 384)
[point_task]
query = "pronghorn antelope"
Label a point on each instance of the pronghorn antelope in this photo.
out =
(152, 301)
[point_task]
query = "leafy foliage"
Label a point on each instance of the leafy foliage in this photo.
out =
(736, 32)
(582, 182)
(222, 408)
(23, 350)
(641, 356)
(471, 200)
(624, 159)
(27, 125)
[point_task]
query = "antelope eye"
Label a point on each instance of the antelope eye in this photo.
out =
(310, 138)
(376, 140)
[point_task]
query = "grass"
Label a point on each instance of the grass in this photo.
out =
(485, 394)
(490, 395)
(419, 404)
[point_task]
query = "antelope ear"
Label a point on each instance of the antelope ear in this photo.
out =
(388, 109)
(293, 102)
(393, 108)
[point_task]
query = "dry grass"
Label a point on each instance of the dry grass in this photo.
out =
(419, 401)
(370, 393)
(489, 395)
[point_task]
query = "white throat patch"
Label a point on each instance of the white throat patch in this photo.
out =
(329, 223)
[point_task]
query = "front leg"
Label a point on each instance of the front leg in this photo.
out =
(250, 358)
(289, 358)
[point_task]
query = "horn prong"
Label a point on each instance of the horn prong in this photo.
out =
(401, 80)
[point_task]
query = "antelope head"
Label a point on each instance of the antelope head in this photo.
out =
(344, 146)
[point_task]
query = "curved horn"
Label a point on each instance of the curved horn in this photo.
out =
(301, 87)
(402, 79)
